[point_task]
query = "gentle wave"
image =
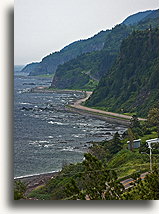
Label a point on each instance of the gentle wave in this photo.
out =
(57, 123)
(25, 103)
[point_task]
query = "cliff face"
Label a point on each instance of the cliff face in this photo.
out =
(132, 84)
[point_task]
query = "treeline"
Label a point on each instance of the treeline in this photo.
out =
(131, 85)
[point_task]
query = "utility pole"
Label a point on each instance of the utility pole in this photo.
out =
(150, 158)
(149, 142)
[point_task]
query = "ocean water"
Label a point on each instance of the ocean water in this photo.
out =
(46, 136)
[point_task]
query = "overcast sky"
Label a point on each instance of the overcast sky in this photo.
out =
(45, 26)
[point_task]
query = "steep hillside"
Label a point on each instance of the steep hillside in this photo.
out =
(49, 64)
(96, 64)
(132, 84)
(88, 66)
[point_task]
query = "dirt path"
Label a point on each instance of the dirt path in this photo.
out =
(78, 105)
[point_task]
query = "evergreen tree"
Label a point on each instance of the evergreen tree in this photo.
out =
(131, 138)
(19, 190)
(134, 123)
(153, 118)
(116, 144)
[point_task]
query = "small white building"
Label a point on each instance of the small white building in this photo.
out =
(136, 143)
(150, 141)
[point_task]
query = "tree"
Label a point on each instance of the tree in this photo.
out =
(131, 138)
(98, 183)
(19, 190)
(136, 126)
(153, 118)
(134, 123)
(116, 144)
(101, 152)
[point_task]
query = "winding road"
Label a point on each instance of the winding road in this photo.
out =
(78, 105)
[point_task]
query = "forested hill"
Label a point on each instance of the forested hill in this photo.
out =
(91, 66)
(49, 64)
(82, 71)
(132, 84)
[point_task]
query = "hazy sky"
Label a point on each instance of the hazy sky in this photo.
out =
(44, 26)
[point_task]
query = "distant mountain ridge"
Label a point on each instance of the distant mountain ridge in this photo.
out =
(92, 66)
(135, 18)
(49, 64)
(31, 66)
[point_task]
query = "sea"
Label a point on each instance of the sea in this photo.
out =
(46, 135)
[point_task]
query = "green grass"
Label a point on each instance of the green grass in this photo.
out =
(147, 137)
(92, 84)
(46, 75)
(39, 194)
(129, 114)
(126, 162)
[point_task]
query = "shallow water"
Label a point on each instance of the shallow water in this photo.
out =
(46, 136)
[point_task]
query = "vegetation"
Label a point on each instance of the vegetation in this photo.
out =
(132, 83)
(148, 189)
(153, 118)
(129, 70)
(133, 19)
(49, 64)
(110, 38)
(107, 163)
(80, 72)
(19, 190)
(97, 63)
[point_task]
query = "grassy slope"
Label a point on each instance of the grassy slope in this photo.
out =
(124, 163)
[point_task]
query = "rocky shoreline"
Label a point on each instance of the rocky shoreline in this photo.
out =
(35, 181)
(72, 107)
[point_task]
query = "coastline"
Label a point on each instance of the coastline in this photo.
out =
(76, 107)
(36, 180)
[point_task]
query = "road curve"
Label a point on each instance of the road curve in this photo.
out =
(78, 105)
